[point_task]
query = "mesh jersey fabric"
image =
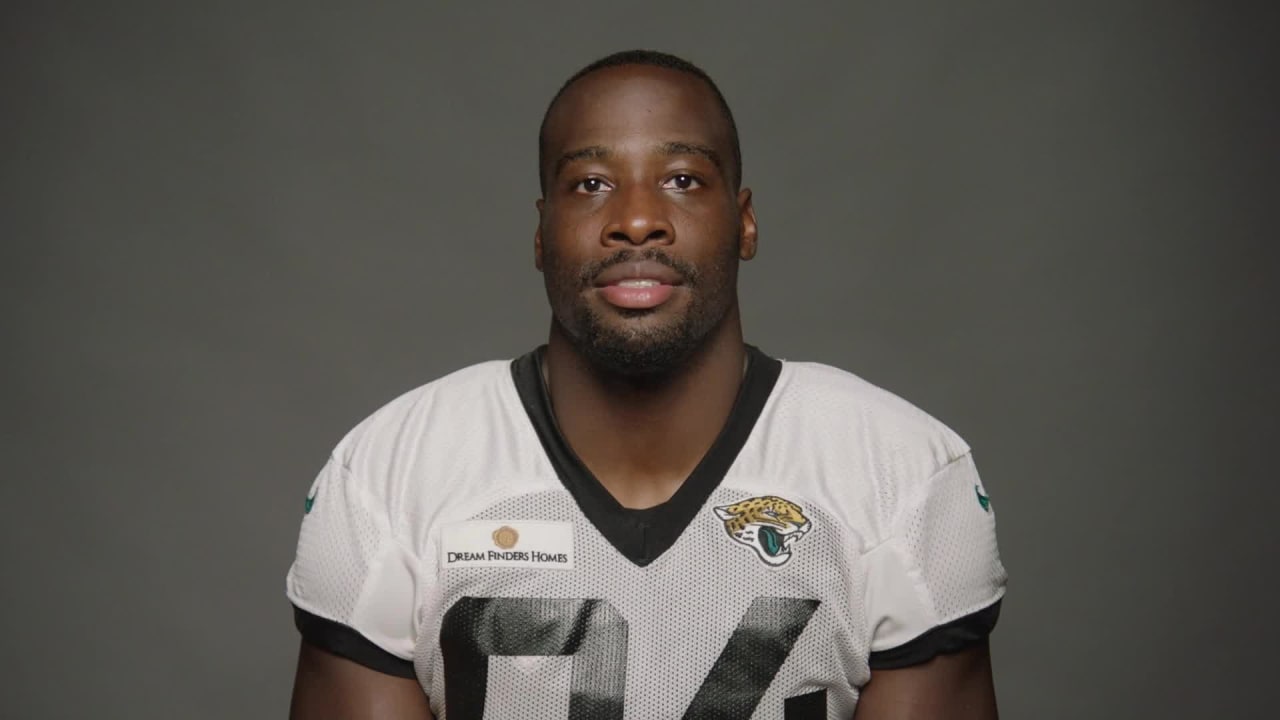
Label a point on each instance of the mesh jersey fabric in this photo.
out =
(861, 529)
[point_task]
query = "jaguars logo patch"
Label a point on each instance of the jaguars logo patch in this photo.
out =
(768, 524)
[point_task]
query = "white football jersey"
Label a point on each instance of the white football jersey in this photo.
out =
(832, 529)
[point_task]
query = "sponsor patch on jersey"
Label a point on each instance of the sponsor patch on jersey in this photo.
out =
(768, 524)
(507, 543)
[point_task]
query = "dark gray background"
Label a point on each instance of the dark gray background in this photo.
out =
(231, 232)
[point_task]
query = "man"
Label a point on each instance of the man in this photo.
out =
(646, 517)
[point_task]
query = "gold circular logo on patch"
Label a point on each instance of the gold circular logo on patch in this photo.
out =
(506, 537)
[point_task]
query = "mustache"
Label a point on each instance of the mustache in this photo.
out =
(587, 275)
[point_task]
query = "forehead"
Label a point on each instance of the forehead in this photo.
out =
(609, 107)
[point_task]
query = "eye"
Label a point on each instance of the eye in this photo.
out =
(682, 181)
(591, 186)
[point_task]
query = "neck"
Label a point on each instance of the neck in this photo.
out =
(642, 437)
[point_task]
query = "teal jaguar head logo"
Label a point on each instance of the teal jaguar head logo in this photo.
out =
(769, 525)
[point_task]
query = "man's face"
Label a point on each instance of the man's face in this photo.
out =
(641, 228)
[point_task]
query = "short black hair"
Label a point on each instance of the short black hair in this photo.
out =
(655, 59)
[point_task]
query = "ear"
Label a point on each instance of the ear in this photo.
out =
(723, 514)
(747, 215)
(537, 237)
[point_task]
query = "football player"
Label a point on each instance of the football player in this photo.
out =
(646, 517)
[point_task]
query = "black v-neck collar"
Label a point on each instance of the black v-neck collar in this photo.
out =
(643, 535)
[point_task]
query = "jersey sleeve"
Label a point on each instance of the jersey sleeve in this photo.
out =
(935, 584)
(353, 585)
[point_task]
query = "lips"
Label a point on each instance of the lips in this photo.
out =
(638, 285)
(638, 270)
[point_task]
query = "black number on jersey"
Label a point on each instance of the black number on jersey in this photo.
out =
(590, 630)
(596, 635)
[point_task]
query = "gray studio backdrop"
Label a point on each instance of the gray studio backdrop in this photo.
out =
(232, 230)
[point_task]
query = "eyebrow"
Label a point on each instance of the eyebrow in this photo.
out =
(600, 152)
(590, 152)
(683, 148)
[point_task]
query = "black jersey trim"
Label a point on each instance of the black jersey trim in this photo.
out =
(942, 640)
(643, 535)
(809, 706)
(336, 638)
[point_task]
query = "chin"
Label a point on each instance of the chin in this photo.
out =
(638, 343)
(633, 349)
(646, 362)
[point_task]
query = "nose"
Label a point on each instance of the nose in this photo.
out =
(639, 217)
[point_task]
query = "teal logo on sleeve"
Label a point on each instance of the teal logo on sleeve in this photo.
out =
(310, 501)
(983, 500)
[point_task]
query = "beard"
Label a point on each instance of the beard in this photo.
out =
(635, 343)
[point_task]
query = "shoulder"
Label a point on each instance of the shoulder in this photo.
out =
(446, 413)
(445, 392)
(853, 409)
(865, 448)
